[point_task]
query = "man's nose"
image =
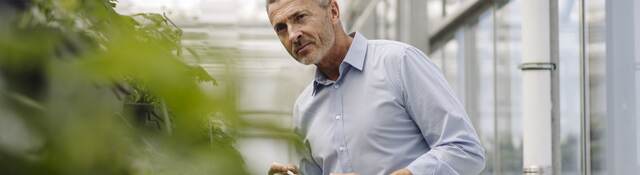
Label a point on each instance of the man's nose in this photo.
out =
(294, 36)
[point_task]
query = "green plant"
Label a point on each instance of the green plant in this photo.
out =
(68, 71)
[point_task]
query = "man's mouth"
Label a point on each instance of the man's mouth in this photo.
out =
(302, 48)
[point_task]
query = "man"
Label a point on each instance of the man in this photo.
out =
(375, 107)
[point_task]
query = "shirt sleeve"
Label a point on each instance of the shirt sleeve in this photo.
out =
(307, 165)
(445, 126)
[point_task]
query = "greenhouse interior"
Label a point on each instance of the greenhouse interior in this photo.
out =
(207, 86)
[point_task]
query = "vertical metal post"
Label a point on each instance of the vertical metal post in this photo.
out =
(537, 68)
(472, 75)
(463, 47)
(585, 117)
(497, 156)
(554, 42)
(412, 23)
(444, 8)
(364, 20)
(403, 13)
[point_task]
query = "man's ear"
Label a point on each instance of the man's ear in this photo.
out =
(335, 11)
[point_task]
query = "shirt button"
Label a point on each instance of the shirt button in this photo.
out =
(336, 86)
(338, 117)
(341, 149)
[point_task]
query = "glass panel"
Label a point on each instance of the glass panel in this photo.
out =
(595, 41)
(386, 19)
(436, 58)
(435, 11)
(453, 6)
(569, 70)
(509, 89)
(450, 59)
(480, 85)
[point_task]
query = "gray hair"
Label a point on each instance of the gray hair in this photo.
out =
(322, 3)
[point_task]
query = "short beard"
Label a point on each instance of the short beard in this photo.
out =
(323, 50)
(313, 59)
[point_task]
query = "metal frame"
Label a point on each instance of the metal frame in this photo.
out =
(362, 18)
(461, 70)
(555, 87)
(444, 31)
(585, 119)
(454, 21)
(538, 66)
(497, 155)
(469, 67)
(411, 23)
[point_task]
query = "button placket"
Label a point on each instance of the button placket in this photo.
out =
(343, 152)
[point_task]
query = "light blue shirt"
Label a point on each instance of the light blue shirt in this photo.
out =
(390, 108)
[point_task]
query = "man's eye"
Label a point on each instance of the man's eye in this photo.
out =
(300, 17)
(280, 27)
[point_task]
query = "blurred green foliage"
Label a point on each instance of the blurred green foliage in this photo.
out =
(84, 90)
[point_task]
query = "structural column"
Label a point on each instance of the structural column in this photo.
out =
(537, 67)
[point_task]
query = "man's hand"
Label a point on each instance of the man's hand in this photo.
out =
(398, 172)
(403, 171)
(278, 168)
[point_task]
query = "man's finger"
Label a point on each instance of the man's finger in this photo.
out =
(292, 168)
(277, 168)
(282, 168)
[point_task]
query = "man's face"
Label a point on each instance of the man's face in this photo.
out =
(304, 27)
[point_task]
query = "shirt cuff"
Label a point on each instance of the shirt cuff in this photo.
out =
(424, 165)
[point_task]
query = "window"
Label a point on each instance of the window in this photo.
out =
(435, 11)
(453, 6)
(480, 82)
(386, 19)
(450, 59)
(569, 86)
(596, 107)
(509, 89)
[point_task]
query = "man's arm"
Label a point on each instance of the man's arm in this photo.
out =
(445, 126)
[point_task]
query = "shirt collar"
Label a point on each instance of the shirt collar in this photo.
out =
(357, 51)
(355, 58)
